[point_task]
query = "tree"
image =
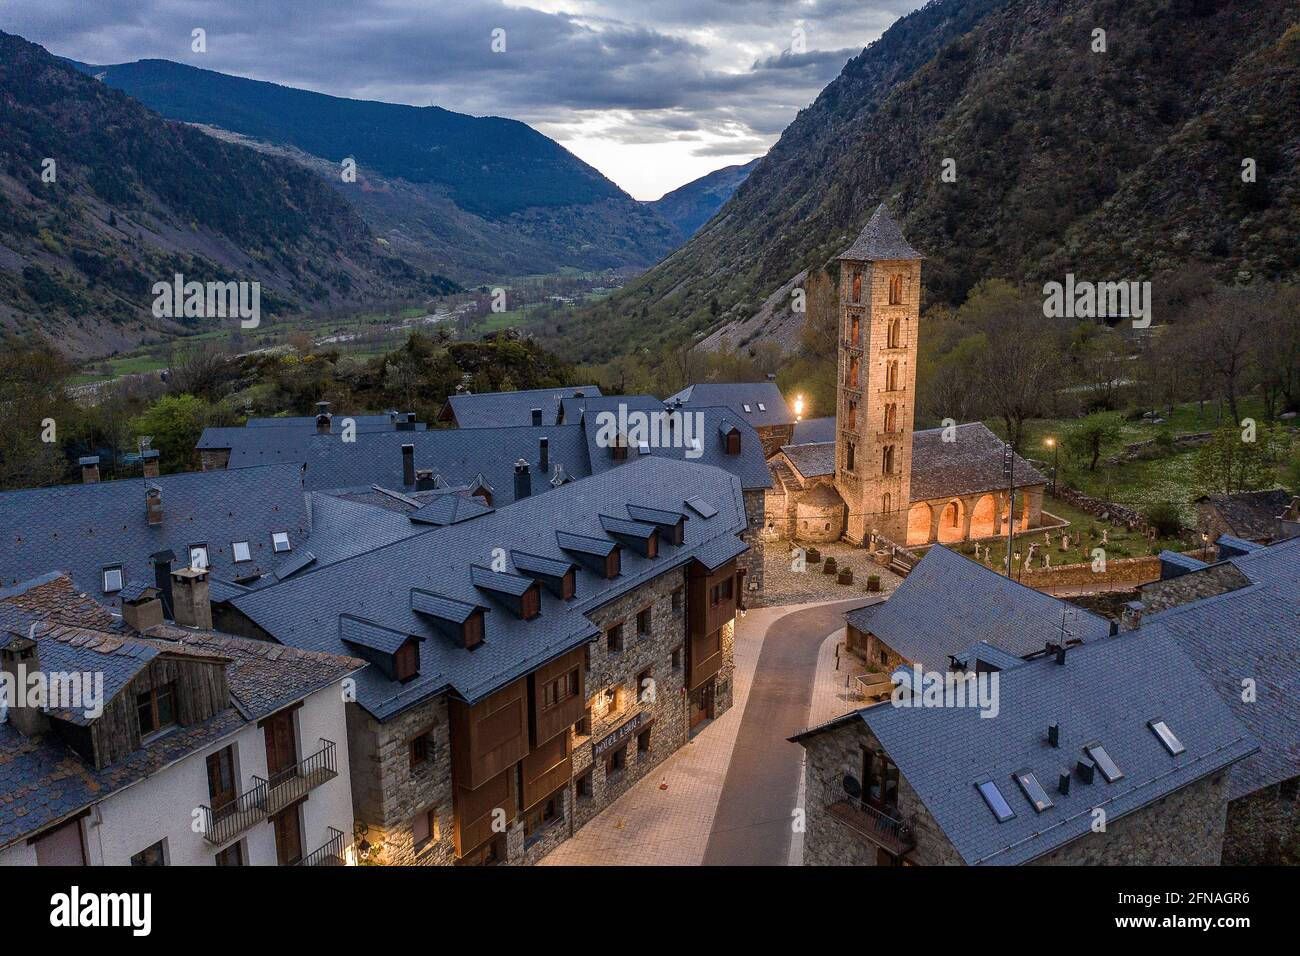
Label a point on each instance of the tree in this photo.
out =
(174, 422)
(1086, 437)
(33, 402)
(1227, 464)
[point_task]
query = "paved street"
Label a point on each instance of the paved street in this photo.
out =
(752, 824)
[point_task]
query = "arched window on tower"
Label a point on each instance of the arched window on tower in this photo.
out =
(887, 461)
(848, 456)
(895, 334)
(857, 287)
(853, 371)
(891, 377)
(895, 290)
(891, 417)
(853, 416)
(884, 503)
(855, 329)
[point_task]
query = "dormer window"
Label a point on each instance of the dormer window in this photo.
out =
(199, 557)
(280, 542)
(614, 563)
(472, 631)
(733, 442)
(156, 709)
(241, 552)
(113, 579)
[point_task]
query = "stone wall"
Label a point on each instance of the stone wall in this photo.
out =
(1107, 510)
(1264, 827)
(1192, 586)
(754, 535)
(1184, 828)
(388, 793)
(876, 652)
(214, 459)
(773, 437)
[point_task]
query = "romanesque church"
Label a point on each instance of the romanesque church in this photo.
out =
(868, 472)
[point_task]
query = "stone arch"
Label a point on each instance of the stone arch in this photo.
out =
(891, 377)
(895, 334)
(951, 521)
(918, 523)
(891, 417)
(895, 290)
(887, 460)
(984, 517)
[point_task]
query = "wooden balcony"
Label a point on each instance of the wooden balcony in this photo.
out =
(294, 783)
(887, 832)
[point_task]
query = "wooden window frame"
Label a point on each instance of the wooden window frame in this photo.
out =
(614, 634)
(406, 661)
(153, 695)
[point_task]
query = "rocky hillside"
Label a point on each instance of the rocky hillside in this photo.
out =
(1121, 164)
(689, 207)
(100, 198)
(476, 198)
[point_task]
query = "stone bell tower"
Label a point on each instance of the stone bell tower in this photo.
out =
(880, 303)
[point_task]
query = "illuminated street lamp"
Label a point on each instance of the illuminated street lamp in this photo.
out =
(798, 408)
(1051, 443)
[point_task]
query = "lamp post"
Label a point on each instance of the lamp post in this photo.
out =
(798, 408)
(1051, 443)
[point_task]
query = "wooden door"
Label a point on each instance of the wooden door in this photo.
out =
(701, 704)
(281, 747)
(288, 836)
(221, 778)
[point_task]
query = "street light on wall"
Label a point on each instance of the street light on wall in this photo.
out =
(1051, 443)
(798, 408)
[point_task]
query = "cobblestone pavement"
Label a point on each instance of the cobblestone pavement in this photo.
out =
(781, 585)
(656, 825)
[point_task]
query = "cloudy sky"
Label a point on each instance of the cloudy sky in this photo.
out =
(653, 93)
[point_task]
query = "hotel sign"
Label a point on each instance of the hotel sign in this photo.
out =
(618, 736)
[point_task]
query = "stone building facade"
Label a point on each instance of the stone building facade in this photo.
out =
(635, 680)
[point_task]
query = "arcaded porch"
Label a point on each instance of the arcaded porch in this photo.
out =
(971, 517)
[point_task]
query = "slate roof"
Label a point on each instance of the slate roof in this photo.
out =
(1251, 632)
(307, 423)
(1250, 514)
(376, 586)
(749, 465)
(880, 240)
(736, 396)
(970, 464)
(503, 409)
(42, 781)
(1107, 691)
(80, 529)
(813, 430)
(949, 602)
(456, 455)
(812, 460)
(342, 528)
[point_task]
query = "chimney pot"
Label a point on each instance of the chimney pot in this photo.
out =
(1086, 769)
(1063, 784)
(151, 461)
(193, 603)
(323, 423)
(408, 465)
(144, 612)
(153, 504)
(523, 480)
(1054, 734)
(1060, 654)
(162, 578)
(23, 652)
(89, 469)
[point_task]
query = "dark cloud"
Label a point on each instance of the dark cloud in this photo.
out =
(730, 73)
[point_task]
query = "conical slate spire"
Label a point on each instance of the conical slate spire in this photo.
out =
(880, 239)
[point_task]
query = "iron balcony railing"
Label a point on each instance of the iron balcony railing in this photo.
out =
(888, 831)
(293, 783)
(331, 854)
(230, 819)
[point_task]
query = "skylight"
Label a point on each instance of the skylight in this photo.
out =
(1172, 743)
(1102, 759)
(997, 803)
(280, 541)
(1034, 791)
(762, 407)
(747, 409)
(701, 507)
(241, 551)
(199, 557)
(112, 580)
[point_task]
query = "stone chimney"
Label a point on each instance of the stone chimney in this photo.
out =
(323, 418)
(153, 504)
(1131, 616)
(408, 465)
(89, 469)
(190, 594)
(143, 612)
(151, 461)
(523, 480)
(22, 652)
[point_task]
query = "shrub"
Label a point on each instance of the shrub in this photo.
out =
(1165, 517)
